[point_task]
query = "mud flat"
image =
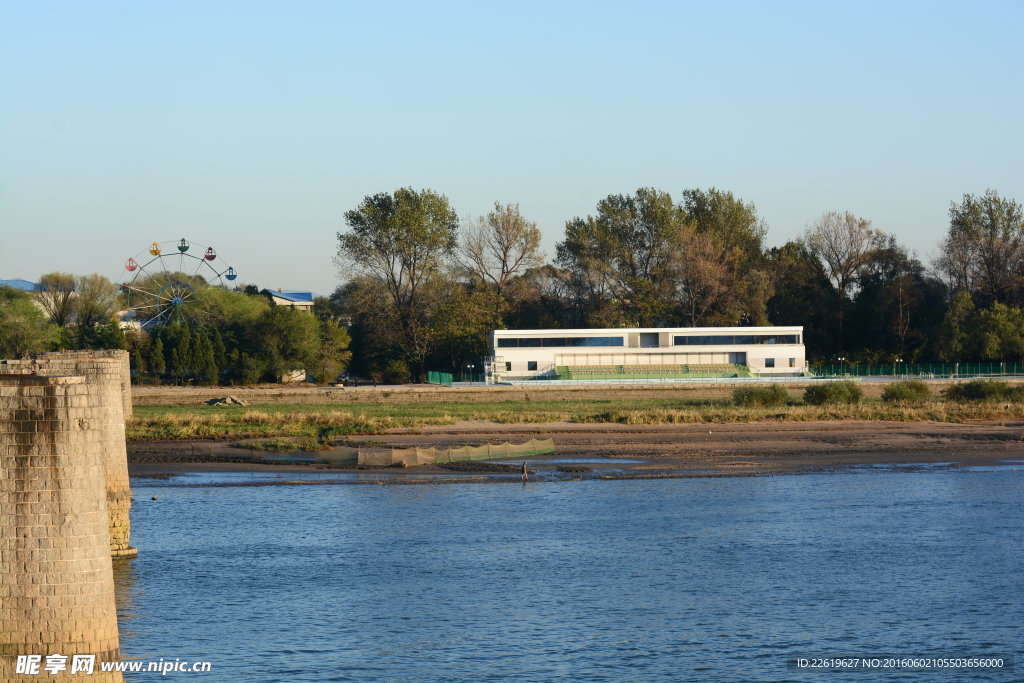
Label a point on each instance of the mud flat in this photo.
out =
(673, 450)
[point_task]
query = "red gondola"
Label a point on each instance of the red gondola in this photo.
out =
(130, 265)
(210, 254)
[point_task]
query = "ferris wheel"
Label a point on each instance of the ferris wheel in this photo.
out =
(161, 284)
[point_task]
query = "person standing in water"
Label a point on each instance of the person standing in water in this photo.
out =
(526, 475)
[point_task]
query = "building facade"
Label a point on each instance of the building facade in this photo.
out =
(767, 351)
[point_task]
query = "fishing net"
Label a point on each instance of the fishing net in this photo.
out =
(382, 457)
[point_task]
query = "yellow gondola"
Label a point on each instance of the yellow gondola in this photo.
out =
(154, 249)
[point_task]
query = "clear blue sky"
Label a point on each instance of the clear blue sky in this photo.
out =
(253, 126)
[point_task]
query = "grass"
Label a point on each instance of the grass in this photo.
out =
(281, 445)
(324, 422)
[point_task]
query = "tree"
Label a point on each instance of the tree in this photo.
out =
(332, 356)
(737, 240)
(702, 277)
(58, 297)
(97, 300)
(842, 243)
(24, 329)
(803, 296)
(285, 339)
(983, 252)
(220, 354)
(400, 240)
(894, 306)
(204, 365)
(1001, 333)
(496, 250)
(956, 339)
(625, 255)
(157, 362)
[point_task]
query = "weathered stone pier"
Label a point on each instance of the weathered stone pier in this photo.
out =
(64, 502)
(109, 374)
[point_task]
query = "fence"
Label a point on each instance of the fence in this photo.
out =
(444, 378)
(426, 456)
(919, 370)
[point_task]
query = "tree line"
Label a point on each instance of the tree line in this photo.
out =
(226, 336)
(422, 287)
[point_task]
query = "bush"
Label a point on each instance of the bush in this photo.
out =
(909, 390)
(397, 372)
(833, 392)
(770, 395)
(985, 390)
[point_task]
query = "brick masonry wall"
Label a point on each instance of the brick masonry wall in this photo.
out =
(56, 576)
(124, 368)
(106, 371)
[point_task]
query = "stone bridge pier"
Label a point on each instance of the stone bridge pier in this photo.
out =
(56, 573)
(108, 373)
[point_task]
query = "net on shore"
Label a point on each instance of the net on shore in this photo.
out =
(426, 456)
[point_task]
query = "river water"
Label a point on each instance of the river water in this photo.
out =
(628, 580)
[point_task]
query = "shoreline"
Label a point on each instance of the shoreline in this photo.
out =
(687, 450)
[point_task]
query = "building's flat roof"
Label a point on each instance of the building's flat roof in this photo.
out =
(674, 330)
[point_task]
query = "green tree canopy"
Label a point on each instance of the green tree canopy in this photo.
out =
(625, 254)
(401, 240)
(24, 329)
(983, 252)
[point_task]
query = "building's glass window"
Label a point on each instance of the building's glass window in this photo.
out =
(734, 339)
(527, 342)
(531, 365)
(792, 362)
(508, 366)
(769, 362)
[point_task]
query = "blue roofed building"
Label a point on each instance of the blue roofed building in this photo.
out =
(23, 285)
(302, 301)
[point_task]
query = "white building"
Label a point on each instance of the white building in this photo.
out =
(683, 351)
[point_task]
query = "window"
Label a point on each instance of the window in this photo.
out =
(769, 362)
(529, 342)
(731, 339)
(508, 366)
(792, 362)
(531, 365)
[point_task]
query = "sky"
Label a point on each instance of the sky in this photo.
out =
(254, 126)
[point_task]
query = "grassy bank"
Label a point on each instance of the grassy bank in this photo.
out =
(332, 421)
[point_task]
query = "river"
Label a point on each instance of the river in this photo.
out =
(630, 580)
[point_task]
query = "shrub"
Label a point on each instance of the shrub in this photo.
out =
(763, 395)
(909, 390)
(833, 392)
(397, 372)
(985, 390)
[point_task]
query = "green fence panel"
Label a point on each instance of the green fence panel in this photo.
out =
(918, 370)
(444, 378)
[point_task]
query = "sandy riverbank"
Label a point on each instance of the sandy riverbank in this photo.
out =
(752, 448)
